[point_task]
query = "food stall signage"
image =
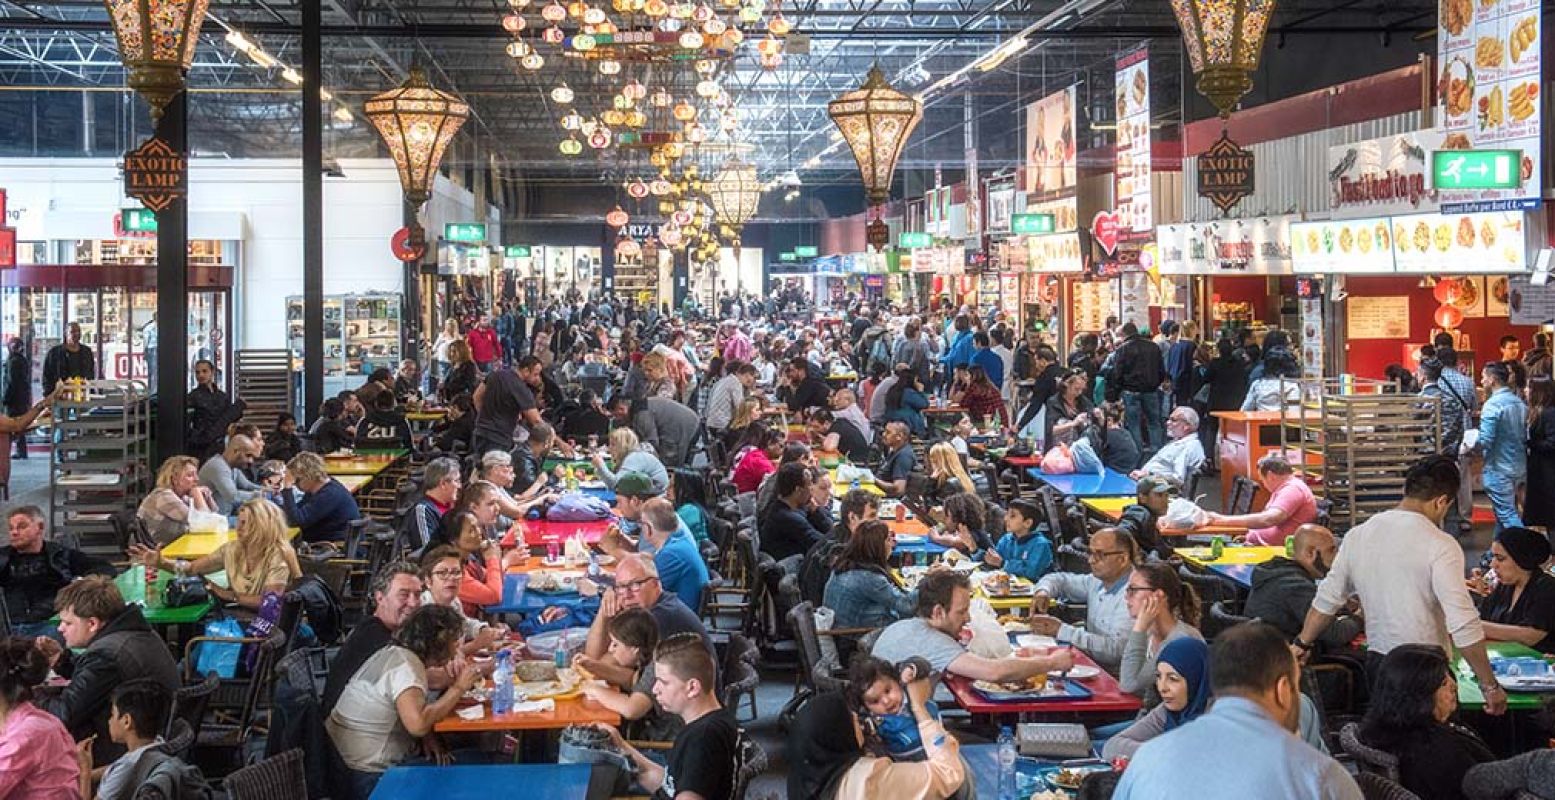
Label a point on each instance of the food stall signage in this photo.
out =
(1226, 173)
(138, 220)
(1477, 169)
(1032, 223)
(517, 251)
(156, 174)
(912, 240)
(472, 232)
(807, 251)
(1104, 228)
(7, 238)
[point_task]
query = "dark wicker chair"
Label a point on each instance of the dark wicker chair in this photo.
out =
(189, 703)
(277, 778)
(1376, 787)
(740, 677)
(1370, 759)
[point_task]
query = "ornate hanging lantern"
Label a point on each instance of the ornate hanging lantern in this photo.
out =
(779, 25)
(156, 43)
(629, 248)
(609, 67)
(513, 23)
(1224, 39)
(714, 27)
(518, 49)
(562, 94)
(685, 112)
(617, 218)
(571, 146)
(553, 35)
(876, 121)
(637, 189)
(600, 138)
(583, 42)
(594, 16)
(553, 12)
(734, 193)
(417, 122)
(532, 62)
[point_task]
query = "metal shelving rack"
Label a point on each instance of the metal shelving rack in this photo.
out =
(1360, 436)
(100, 460)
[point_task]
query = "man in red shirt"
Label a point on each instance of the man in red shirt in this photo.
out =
(484, 345)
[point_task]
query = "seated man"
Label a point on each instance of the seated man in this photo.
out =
(1290, 505)
(1283, 588)
(845, 407)
(834, 434)
(396, 591)
(636, 586)
(943, 609)
(633, 490)
(106, 643)
(899, 460)
(32, 571)
(385, 426)
(1153, 494)
(1113, 555)
(225, 474)
(1183, 455)
(528, 460)
(786, 531)
(855, 508)
(705, 756)
(440, 488)
(326, 507)
(675, 555)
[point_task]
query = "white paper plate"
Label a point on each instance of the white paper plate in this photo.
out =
(1079, 672)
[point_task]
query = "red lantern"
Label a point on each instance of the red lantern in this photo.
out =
(1446, 291)
(1449, 317)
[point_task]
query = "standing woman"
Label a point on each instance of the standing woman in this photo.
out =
(450, 334)
(462, 376)
(1539, 502)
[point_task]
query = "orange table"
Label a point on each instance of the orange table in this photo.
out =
(574, 711)
(910, 527)
(1245, 437)
(1111, 510)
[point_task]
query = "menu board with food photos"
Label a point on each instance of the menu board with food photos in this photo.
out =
(1446, 243)
(1136, 215)
(1489, 52)
(1054, 252)
(1342, 246)
(1093, 304)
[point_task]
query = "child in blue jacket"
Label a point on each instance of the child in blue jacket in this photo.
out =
(1026, 553)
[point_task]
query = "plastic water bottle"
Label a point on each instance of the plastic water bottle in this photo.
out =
(561, 651)
(593, 570)
(502, 677)
(1006, 763)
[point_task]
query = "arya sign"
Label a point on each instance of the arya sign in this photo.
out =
(155, 174)
(1226, 173)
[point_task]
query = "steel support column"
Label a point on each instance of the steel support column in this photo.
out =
(172, 367)
(312, 212)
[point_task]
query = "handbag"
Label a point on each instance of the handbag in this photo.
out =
(1052, 740)
(186, 591)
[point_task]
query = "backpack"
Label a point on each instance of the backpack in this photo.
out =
(815, 569)
(168, 776)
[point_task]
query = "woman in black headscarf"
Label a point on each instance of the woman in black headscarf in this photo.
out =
(1521, 607)
(828, 760)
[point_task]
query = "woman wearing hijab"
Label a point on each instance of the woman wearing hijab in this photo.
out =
(1521, 607)
(1182, 678)
(826, 751)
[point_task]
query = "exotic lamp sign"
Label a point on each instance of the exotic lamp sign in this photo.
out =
(156, 43)
(1224, 40)
(417, 122)
(875, 121)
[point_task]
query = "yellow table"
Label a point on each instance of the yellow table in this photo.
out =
(354, 482)
(359, 465)
(426, 416)
(1231, 555)
(1111, 510)
(191, 546)
(840, 488)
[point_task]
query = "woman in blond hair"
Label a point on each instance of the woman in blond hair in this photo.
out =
(628, 454)
(165, 512)
(259, 561)
(656, 372)
(947, 472)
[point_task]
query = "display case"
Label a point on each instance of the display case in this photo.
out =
(362, 332)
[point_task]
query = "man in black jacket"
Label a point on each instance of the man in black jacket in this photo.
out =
(806, 390)
(1283, 588)
(68, 360)
(1138, 369)
(1154, 494)
(787, 530)
(32, 571)
(119, 646)
(16, 397)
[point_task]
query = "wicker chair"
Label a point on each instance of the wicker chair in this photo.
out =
(740, 677)
(1370, 759)
(189, 703)
(277, 778)
(1376, 787)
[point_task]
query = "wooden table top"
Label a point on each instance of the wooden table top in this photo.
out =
(572, 711)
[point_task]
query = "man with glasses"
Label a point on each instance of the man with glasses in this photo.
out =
(1113, 555)
(636, 586)
(1182, 455)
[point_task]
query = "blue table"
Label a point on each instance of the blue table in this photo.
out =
(923, 548)
(517, 600)
(1241, 574)
(982, 761)
(1107, 484)
(483, 782)
(607, 495)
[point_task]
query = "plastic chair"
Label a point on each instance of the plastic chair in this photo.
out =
(277, 778)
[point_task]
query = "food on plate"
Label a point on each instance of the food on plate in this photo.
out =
(1382, 236)
(1523, 36)
(1364, 240)
(1443, 237)
(1492, 109)
(1488, 52)
(1487, 234)
(1035, 683)
(1468, 293)
(1052, 794)
(1401, 238)
(1312, 241)
(1527, 167)
(1422, 237)
(1520, 101)
(1465, 232)
(1346, 239)
(1070, 778)
(1328, 240)
(1456, 15)
(1457, 141)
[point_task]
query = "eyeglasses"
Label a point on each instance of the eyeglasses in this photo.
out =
(447, 573)
(633, 586)
(1137, 589)
(1097, 555)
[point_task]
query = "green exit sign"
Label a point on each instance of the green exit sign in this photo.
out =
(1476, 169)
(465, 232)
(1031, 223)
(807, 251)
(138, 220)
(912, 240)
(517, 251)
(787, 257)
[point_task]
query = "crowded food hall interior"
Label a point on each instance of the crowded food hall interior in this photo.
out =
(811, 399)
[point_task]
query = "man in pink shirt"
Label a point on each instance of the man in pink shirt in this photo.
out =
(1290, 505)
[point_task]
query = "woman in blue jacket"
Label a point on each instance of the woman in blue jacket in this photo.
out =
(905, 401)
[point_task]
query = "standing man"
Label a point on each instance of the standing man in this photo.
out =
(485, 349)
(503, 401)
(18, 387)
(68, 360)
(1503, 438)
(1409, 577)
(1138, 369)
(984, 356)
(1462, 387)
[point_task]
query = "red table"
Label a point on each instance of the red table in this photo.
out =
(539, 532)
(1107, 698)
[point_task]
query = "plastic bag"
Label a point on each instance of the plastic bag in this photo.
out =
(989, 639)
(825, 618)
(578, 507)
(262, 626)
(206, 522)
(1182, 514)
(1058, 461)
(220, 657)
(848, 473)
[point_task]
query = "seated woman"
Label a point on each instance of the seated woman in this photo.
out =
(384, 709)
(37, 753)
(443, 570)
(1112, 441)
(465, 529)
(965, 529)
(688, 492)
(1164, 609)
(1521, 608)
(748, 411)
(1413, 696)
(456, 428)
(1182, 681)
(947, 473)
(627, 454)
(905, 402)
(863, 591)
(165, 512)
(983, 400)
(826, 746)
(633, 636)
(1068, 410)
(258, 562)
(754, 460)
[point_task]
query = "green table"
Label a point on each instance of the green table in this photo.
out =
(1469, 695)
(395, 453)
(132, 584)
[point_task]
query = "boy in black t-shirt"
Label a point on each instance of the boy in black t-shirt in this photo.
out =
(705, 757)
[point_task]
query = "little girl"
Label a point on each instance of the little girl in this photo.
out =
(633, 636)
(878, 694)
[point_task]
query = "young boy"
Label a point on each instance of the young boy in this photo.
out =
(1026, 554)
(878, 693)
(137, 718)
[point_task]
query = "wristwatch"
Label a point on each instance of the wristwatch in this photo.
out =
(1494, 687)
(1307, 646)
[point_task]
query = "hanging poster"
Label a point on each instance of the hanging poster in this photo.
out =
(1134, 296)
(1489, 90)
(1001, 206)
(1377, 317)
(1050, 145)
(1528, 304)
(1497, 295)
(1093, 304)
(1312, 337)
(1132, 92)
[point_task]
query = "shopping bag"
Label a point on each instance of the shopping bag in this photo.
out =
(220, 657)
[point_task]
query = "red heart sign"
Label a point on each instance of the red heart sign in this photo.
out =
(1104, 228)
